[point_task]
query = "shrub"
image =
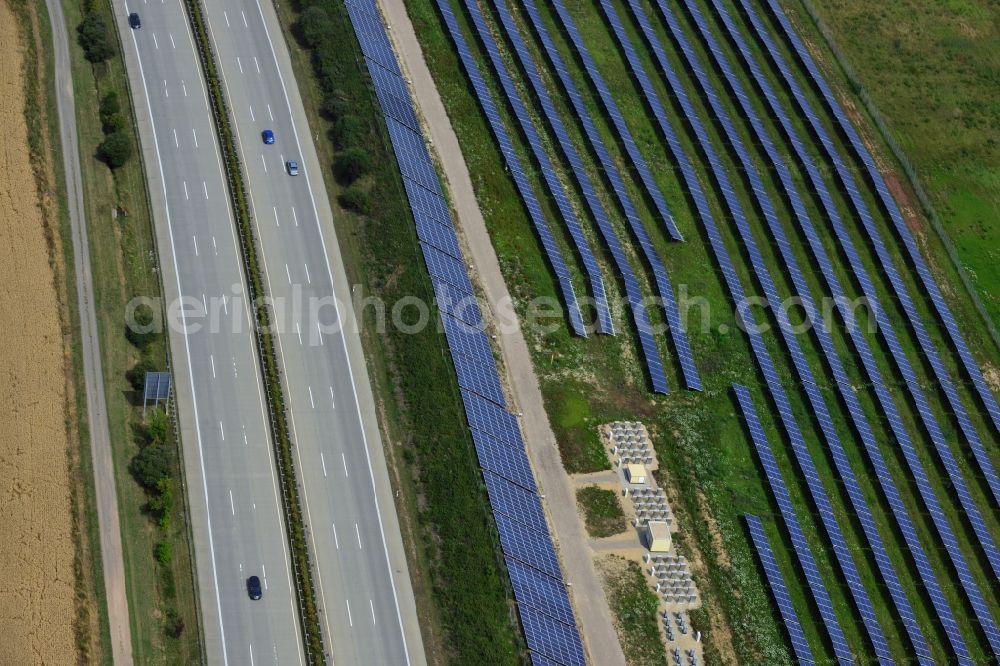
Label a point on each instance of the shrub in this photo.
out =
(314, 26)
(161, 504)
(95, 38)
(357, 199)
(116, 149)
(151, 466)
(163, 553)
(351, 164)
(137, 375)
(143, 333)
(110, 107)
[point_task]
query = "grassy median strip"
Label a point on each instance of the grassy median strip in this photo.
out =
(294, 522)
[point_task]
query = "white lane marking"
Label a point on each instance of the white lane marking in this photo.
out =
(333, 403)
(222, 433)
(194, 239)
(172, 45)
(166, 90)
(270, 115)
(227, 18)
(349, 620)
(250, 109)
(371, 605)
(204, 187)
(245, 24)
(276, 220)
(298, 331)
(211, 358)
(295, 217)
(251, 654)
(264, 162)
(288, 274)
(357, 531)
(311, 397)
(232, 505)
(238, 62)
(322, 461)
(336, 541)
(225, 306)
(184, 88)
(177, 144)
(246, 442)
(215, 247)
(194, 133)
(263, 574)
(308, 280)
(204, 302)
(320, 333)
(186, 190)
(344, 459)
(257, 64)
(156, 44)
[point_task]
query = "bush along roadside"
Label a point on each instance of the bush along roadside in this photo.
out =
(294, 524)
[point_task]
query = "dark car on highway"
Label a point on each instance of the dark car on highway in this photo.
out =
(253, 588)
(133, 21)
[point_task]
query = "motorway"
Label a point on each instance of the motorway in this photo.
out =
(369, 615)
(236, 515)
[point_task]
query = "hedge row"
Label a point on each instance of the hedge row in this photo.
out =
(295, 526)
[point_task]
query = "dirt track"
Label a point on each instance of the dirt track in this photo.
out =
(37, 611)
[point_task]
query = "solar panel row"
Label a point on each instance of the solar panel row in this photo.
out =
(546, 613)
(590, 266)
(902, 292)
(647, 342)
(899, 510)
(841, 549)
(926, 278)
(802, 550)
(779, 590)
(888, 572)
(688, 369)
(663, 286)
(638, 161)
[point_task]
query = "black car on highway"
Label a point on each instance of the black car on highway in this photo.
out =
(253, 588)
(133, 21)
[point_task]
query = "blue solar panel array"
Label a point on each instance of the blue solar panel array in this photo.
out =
(902, 292)
(926, 278)
(638, 161)
(660, 277)
(800, 646)
(899, 510)
(816, 400)
(647, 341)
(590, 266)
(802, 550)
(543, 602)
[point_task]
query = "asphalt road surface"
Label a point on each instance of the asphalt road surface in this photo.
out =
(369, 615)
(364, 587)
(230, 474)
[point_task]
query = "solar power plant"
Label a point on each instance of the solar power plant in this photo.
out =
(861, 599)
(635, 223)
(591, 267)
(802, 551)
(902, 292)
(638, 161)
(779, 590)
(926, 279)
(861, 423)
(676, 327)
(546, 614)
(647, 342)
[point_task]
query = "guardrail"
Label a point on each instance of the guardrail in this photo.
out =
(277, 415)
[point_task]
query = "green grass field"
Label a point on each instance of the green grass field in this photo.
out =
(602, 511)
(123, 261)
(698, 436)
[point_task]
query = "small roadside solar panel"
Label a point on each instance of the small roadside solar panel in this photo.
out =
(156, 386)
(552, 638)
(800, 646)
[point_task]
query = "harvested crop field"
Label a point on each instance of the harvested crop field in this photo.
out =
(37, 611)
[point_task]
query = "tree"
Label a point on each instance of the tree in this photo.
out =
(142, 331)
(315, 26)
(356, 199)
(95, 38)
(157, 427)
(161, 503)
(163, 553)
(116, 149)
(351, 164)
(151, 466)
(137, 375)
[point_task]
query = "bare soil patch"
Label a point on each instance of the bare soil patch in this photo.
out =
(37, 604)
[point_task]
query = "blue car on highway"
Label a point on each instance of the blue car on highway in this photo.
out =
(268, 136)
